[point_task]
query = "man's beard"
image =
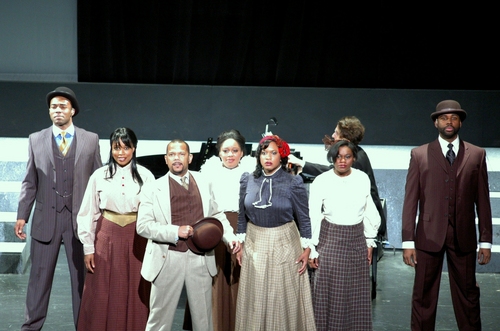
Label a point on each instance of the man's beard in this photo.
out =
(448, 135)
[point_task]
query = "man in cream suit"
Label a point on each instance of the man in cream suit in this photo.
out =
(60, 161)
(447, 183)
(168, 211)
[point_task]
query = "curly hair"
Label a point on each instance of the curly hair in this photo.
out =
(350, 128)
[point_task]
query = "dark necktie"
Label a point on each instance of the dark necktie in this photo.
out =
(450, 155)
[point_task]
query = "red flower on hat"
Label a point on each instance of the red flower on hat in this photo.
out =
(283, 147)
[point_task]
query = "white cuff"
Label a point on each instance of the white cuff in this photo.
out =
(88, 249)
(306, 243)
(241, 237)
(408, 245)
(485, 245)
(314, 253)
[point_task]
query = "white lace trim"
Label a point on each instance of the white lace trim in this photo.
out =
(241, 237)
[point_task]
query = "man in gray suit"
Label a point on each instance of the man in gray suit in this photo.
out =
(61, 160)
(168, 212)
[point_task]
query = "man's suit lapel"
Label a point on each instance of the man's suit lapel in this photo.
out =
(462, 160)
(47, 142)
(82, 142)
(163, 197)
(436, 155)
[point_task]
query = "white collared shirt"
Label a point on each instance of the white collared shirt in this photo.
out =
(178, 178)
(444, 145)
(56, 131)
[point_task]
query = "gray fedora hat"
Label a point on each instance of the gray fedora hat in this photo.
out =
(67, 93)
(447, 107)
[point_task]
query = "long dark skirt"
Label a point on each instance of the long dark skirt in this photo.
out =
(115, 297)
(341, 284)
(225, 284)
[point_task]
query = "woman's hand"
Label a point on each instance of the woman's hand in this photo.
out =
(239, 255)
(314, 263)
(234, 246)
(370, 255)
(89, 262)
(303, 260)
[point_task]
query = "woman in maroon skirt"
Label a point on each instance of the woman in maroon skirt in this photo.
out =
(115, 296)
(344, 223)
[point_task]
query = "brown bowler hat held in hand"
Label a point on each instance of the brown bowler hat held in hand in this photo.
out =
(207, 234)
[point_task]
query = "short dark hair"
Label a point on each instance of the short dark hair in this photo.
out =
(180, 141)
(333, 152)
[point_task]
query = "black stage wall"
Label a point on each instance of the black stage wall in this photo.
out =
(304, 115)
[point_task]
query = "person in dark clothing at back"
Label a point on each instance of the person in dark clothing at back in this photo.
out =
(348, 128)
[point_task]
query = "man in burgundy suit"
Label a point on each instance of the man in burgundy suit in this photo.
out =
(61, 159)
(447, 182)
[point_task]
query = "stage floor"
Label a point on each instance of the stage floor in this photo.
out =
(391, 307)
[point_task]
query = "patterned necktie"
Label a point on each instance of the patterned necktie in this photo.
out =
(64, 146)
(184, 183)
(450, 155)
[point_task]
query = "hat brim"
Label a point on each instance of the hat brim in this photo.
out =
(207, 234)
(460, 112)
(70, 97)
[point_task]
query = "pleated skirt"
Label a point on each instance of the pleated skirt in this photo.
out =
(115, 297)
(225, 284)
(341, 284)
(272, 295)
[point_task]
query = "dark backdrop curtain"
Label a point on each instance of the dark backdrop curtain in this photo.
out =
(283, 43)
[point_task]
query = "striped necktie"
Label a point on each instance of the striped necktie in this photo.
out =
(184, 183)
(64, 146)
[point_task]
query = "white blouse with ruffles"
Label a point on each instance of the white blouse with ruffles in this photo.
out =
(226, 182)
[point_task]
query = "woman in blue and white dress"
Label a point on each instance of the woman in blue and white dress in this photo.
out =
(274, 225)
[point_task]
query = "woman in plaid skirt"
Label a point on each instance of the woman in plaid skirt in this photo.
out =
(344, 223)
(273, 222)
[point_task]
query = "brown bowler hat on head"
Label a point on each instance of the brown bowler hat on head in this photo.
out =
(67, 93)
(449, 106)
(207, 234)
